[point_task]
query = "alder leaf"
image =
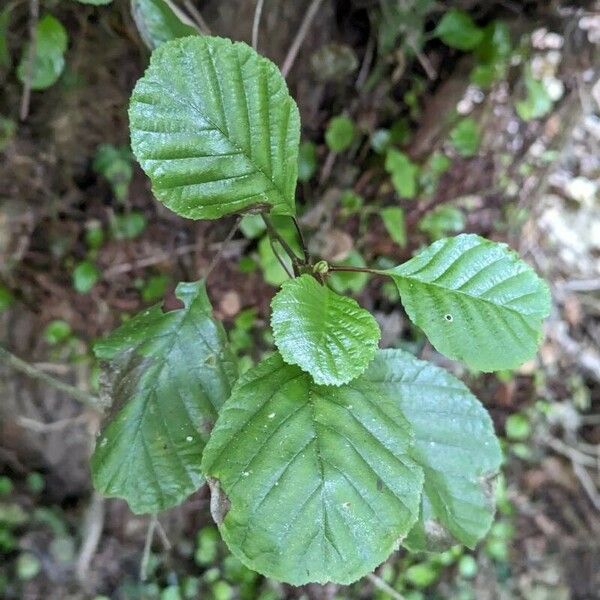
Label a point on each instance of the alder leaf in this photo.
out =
(455, 445)
(476, 301)
(311, 483)
(214, 127)
(169, 375)
(325, 334)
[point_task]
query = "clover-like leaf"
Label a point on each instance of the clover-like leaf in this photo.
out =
(159, 21)
(214, 127)
(311, 483)
(328, 335)
(455, 445)
(476, 301)
(169, 375)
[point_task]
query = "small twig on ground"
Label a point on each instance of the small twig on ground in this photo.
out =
(384, 587)
(425, 63)
(215, 261)
(587, 484)
(147, 547)
(162, 534)
(39, 427)
(92, 527)
(310, 14)
(256, 23)
(20, 365)
(327, 167)
(34, 13)
(366, 63)
(571, 453)
(197, 16)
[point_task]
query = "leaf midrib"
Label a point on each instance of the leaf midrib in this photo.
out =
(176, 96)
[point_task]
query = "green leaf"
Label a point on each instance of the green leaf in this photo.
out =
(476, 301)
(214, 127)
(349, 281)
(307, 161)
(455, 445)
(517, 427)
(252, 226)
(310, 483)
(6, 298)
(4, 24)
(115, 164)
(159, 21)
(465, 137)
(537, 103)
(442, 221)
(48, 60)
(495, 47)
(404, 173)
(85, 276)
(169, 375)
(340, 133)
(327, 335)
(57, 331)
(457, 30)
(95, 2)
(393, 219)
(128, 226)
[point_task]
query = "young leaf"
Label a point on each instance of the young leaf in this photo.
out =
(340, 133)
(48, 60)
(158, 22)
(5, 60)
(442, 221)
(538, 102)
(170, 373)
(315, 483)
(353, 282)
(214, 127)
(307, 161)
(393, 219)
(457, 30)
(329, 336)
(403, 171)
(475, 300)
(455, 445)
(465, 137)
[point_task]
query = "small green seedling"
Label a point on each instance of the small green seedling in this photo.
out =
(330, 453)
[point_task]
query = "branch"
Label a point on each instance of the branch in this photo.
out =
(274, 235)
(199, 20)
(256, 23)
(343, 268)
(311, 13)
(215, 261)
(20, 365)
(34, 11)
